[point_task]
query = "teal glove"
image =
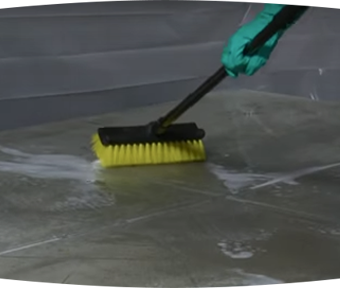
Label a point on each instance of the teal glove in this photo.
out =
(233, 59)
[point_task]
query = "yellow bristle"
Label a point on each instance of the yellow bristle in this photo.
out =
(148, 154)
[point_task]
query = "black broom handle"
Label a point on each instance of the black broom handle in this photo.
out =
(286, 16)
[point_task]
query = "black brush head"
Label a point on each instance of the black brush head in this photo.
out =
(145, 134)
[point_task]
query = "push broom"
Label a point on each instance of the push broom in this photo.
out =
(161, 141)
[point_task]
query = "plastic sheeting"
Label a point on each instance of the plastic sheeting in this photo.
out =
(64, 61)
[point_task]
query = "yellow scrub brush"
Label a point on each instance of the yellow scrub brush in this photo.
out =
(162, 142)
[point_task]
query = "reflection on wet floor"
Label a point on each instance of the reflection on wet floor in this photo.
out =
(263, 209)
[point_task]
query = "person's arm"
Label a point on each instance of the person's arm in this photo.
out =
(233, 59)
(274, 6)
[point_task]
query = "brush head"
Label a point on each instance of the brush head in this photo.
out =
(147, 134)
(139, 145)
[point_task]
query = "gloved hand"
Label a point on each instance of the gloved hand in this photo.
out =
(233, 59)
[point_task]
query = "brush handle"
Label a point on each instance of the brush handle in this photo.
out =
(286, 16)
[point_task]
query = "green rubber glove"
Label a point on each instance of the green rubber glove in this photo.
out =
(233, 59)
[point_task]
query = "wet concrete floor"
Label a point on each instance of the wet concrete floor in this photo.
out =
(263, 209)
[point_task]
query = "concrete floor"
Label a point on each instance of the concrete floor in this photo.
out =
(263, 209)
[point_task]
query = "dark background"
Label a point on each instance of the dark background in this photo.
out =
(73, 60)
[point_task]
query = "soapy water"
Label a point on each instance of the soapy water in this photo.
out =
(256, 281)
(82, 174)
(236, 181)
(85, 174)
(239, 277)
(58, 166)
(49, 166)
(236, 250)
(233, 180)
(239, 249)
(242, 245)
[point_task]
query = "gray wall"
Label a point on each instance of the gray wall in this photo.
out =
(63, 61)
